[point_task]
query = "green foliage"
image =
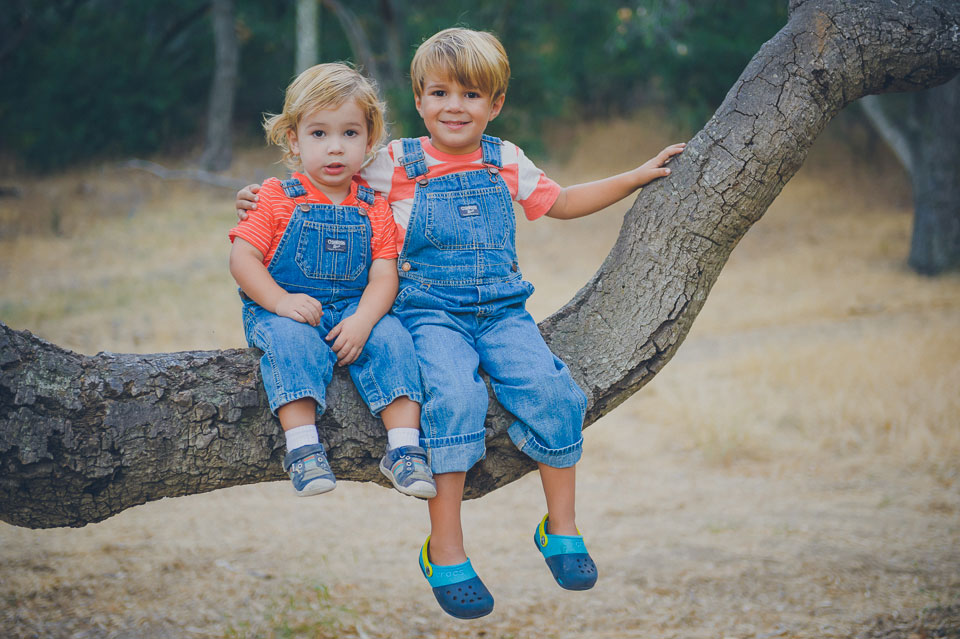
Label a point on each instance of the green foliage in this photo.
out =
(101, 77)
(107, 78)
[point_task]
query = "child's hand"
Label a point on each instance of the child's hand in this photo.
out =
(247, 199)
(350, 335)
(655, 167)
(301, 308)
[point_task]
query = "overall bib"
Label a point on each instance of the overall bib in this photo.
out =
(325, 253)
(462, 297)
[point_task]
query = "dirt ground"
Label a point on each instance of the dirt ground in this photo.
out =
(793, 472)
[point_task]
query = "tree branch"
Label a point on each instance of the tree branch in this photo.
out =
(82, 438)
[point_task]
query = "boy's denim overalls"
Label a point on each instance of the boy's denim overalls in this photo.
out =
(462, 298)
(325, 253)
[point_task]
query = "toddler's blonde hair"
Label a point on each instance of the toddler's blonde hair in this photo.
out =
(325, 86)
(474, 59)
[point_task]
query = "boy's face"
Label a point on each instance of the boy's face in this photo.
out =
(456, 116)
(332, 144)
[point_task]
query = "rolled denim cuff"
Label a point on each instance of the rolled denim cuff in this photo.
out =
(377, 405)
(277, 400)
(526, 441)
(454, 454)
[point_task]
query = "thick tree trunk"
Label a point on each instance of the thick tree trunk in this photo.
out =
(218, 149)
(82, 438)
(935, 244)
(925, 137)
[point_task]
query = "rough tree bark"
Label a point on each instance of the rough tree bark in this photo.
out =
(82, 438)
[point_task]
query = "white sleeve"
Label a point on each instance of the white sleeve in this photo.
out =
(379, 173)
(528, 176)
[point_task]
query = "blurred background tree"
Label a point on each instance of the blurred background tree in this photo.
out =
(82, 80)
(86, 79)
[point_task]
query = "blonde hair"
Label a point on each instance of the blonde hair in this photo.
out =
(474, 59)
(325, 86)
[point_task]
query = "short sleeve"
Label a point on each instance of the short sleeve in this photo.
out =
(261, 224)
(379, 173)
(536, 193)
(383, 244)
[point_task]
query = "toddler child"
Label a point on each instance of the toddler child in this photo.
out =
(316, 265)
(462, 297)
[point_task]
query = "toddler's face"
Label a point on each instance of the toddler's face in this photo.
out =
(332, 144)
(456, 116)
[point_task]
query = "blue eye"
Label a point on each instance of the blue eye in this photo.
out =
(351, 133)
(318, 134)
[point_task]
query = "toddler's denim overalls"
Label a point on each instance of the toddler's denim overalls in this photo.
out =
(325, 253)
(462, 298)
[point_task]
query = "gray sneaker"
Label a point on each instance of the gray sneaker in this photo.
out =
(406, 467)
(309, 470)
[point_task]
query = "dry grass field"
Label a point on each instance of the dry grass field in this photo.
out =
(793, 472)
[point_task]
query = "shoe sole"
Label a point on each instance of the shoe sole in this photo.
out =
(317, 487)
(420, 490)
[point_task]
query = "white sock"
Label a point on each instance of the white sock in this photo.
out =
(301, 436)
(397, 437)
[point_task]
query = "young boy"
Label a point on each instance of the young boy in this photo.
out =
(462, 297)
(316, 268)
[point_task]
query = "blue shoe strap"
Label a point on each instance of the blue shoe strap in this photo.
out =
(412, 451)
(302, 452)
(562, 545)
(446, 575)
(438, 576)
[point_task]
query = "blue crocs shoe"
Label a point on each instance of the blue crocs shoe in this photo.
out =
(457, 588)
(309, 470)
(567, 558)
(406, 467)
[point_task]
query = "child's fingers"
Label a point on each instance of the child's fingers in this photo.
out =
(348, 356)
(333, 334)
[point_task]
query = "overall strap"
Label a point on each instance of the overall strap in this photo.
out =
(491, 150)
(365, 194)
(293, 188)
(413, 161)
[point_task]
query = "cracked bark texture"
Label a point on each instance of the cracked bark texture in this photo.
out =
(83, 438)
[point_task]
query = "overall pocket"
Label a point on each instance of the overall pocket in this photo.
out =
(468, 219)
(335, 252)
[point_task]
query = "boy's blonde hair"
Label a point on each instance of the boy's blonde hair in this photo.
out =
(474, 59)
(325, 86)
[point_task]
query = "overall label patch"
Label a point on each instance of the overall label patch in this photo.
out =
(337, 246)
(469, 210)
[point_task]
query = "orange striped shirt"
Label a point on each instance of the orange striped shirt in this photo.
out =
(265, 225)
(528, 185)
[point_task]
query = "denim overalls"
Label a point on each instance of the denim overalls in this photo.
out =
(325, 253)
(462, 298)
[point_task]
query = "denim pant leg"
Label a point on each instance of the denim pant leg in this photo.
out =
(296, 361)
(387, 367)
(536, 386)
(455, 397)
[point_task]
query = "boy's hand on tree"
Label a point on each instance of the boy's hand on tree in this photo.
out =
(301, 308)
(655, 167)
(349, 337)
(247, 199)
